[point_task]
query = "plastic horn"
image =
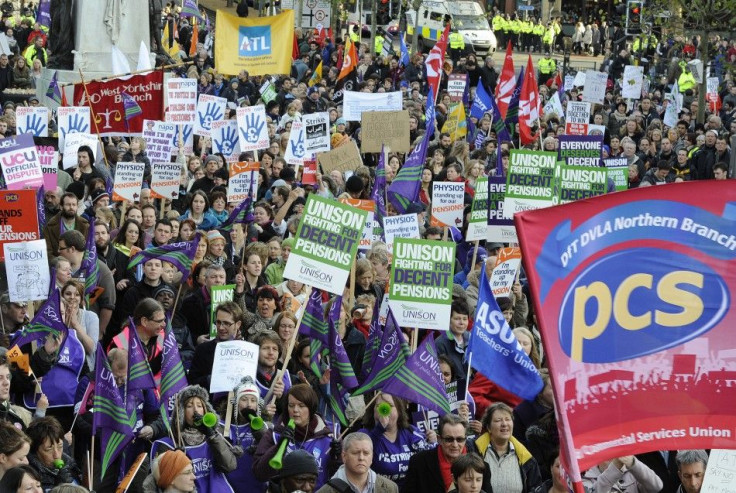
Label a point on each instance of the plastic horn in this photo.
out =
(209, 420)
(256, 423)
(58, 464)
(384, 409)
(276, 461)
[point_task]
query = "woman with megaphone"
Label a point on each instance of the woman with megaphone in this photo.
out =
(246, 430)
(299, 428)
(195, 429)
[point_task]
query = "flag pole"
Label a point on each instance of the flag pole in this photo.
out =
(467, 376)
(359, 416)
(94, 119)
(92, 462)
(475, 255)
(137, 72)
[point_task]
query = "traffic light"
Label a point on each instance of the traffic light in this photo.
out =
(633, 16)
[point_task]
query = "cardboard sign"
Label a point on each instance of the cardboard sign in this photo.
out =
(316, 132)
(369, 206)
(456, 87)
(18, 217)
(181, 95)
(618, 171)
(720, 476)
(185, 134)
(326, 243)
(225, 139)
(33, 120)
(389, 128)
(128, 181)
(218, 295)
(344, 158)
(309, 173)
(73, 119)
(209, 109)
(48, 156)
(420, 292)
(243, 181)
(20, 164)
(252, 126)
(165, 180)
(633, 82)
(580, 150)
(160, 138)
(581, 182)
(500, 228)
(447, 204)
(233, 361)
(27, 269)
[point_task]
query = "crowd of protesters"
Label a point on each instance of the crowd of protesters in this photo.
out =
(500, 443)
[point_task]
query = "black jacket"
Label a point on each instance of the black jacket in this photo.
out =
(424, 476)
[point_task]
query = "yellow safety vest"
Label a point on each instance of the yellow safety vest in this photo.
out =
(538, 30)
(497, 22)
(456, 41)
(378, 45)
(686, 81)
(546, 66)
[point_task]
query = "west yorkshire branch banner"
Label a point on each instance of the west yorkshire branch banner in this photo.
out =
(259, 45)
(633, 291)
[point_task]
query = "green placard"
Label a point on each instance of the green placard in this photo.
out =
(531, 181)
(581, 182)
(219, 294)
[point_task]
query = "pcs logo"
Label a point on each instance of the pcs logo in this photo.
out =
(254, 41)
(638, 302)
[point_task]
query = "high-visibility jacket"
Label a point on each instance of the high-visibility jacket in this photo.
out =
(686, 81)
(497, 22)
(547, 65)
(515, 26)
(557, 27)
(354, 37)
(456, 41)
(378, 45)
(527, 27)
(549, 35)
(645, 42)
(538, 30)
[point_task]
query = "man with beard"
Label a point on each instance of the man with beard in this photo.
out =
(51, 199)
(66, 220)
(105, 251)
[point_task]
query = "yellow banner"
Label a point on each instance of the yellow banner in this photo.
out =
(456, 125)
(259, 45)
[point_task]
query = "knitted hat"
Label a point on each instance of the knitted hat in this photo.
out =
(211, 157)
(97, 195)
(479, 258)
(163, 288)
(215, 235)
(298, 462)
(246, 387)
(187, 393)
(167, 467)
(288, 242)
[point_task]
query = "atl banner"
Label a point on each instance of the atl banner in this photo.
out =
(633, 294)
(106, 101)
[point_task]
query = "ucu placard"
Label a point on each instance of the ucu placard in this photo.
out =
(638, 302)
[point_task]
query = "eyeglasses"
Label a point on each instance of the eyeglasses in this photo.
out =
(453, 439)
(159, 321)
(62, 248)
(224, 323)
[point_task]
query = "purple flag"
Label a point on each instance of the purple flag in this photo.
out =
(420, 379)
(375, 335)
(180, 255)
(173, 378)
(54, 91)
(390, 355)
(379, 190)
(139, 372)
(241, 214)
(47, 321)
(512, 113)
(41, 210)
(131, 107)
(110, 415)
(313, 322)
(89, 268)
(44, 13)
(405, 188)
(342, 369)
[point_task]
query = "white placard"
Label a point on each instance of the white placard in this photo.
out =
(185, 133)
(595, 86)
(209, 109)
(72, 119)
(32, 120)
(316, 132)
(252, 127)
(225, 139)
(295, 153)
(448, 203)
(504, 272)
(128, 181)
(554, 106)
(633, 81)
(165, 180)
(355, 103)
(403, 226)
(578, 81)
(73, 143)
(181, 97)
(159, 137)
(27, 269)
(234, 360)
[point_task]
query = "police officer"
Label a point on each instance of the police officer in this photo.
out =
(547, 67)
(378, 44)
(457, 44)
(498, 23)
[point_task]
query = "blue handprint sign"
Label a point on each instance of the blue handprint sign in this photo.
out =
(73, 120)
(295, 150)
(32, 121)
(209, 109)
(253, 129)
(225, 137)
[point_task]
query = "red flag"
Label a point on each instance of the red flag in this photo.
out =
(435, 61)
(64, 102)
(528, 104)
(295, 50)
(195, 38)
(507, 83)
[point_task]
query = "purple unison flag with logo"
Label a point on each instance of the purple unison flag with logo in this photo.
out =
(48, 320)
(390, 355)
(139, 371)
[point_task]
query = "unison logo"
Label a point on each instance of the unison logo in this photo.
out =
(254, 41)
(413, 313)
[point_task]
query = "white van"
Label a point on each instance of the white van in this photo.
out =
(466, 15)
